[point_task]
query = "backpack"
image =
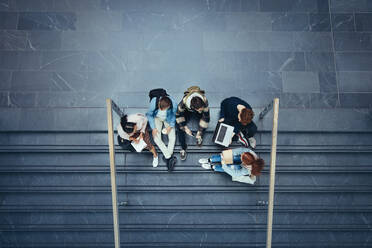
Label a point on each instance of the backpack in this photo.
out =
(158, 93)
(193, 89)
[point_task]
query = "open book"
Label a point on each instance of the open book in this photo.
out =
(140, 146)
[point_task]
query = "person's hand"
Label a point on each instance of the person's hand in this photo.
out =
(198, 135)
(199, 138)
(169, 129)
(221, 120)
(136, 141)
(188, 131)
(154, 132)
(232, 138)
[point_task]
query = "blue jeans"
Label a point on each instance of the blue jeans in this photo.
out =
(217, 159)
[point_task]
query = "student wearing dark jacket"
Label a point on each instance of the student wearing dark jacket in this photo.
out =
(239, 114)
(194, 103)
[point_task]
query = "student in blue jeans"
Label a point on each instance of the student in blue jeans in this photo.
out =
(245, 167)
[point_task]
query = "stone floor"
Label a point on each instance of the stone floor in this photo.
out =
(60, 60)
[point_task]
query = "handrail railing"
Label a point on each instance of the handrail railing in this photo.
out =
(112, 106)
(274, 104)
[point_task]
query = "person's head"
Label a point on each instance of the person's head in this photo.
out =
(128, 127)
(257, 164)
(164, 103)
(245, 116)
(197, 104)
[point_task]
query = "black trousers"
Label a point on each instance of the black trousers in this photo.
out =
(182, 134)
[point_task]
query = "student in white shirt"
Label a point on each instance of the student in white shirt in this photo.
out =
(133, 128)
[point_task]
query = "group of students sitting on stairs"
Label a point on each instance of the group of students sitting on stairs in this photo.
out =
(244, 164)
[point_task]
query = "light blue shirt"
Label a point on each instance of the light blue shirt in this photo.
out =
(153, 111)
(162, 114)
(239, 173)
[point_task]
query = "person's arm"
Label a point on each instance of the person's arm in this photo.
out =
(240, 174)
(180, 115)
(204, 121)
(236, 128)
(150, 113)
(122, 134)
(246, 179)
(222, 109)
(233, 172)
(173, 117)
(240, 150)
(144, 123)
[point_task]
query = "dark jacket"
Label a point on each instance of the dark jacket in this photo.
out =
(230, 112)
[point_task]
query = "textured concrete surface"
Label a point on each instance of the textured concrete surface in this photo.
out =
(60, 59)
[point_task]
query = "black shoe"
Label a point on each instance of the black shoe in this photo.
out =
(171, 162)
(165, 159)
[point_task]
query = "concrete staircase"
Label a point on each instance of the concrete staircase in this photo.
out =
(55, 185)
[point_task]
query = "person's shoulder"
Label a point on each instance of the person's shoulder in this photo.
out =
(131, 116)
(136, 116)
(241, 149)
(172, 100)
(119, 127)
(152, 104)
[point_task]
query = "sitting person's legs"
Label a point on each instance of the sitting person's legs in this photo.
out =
(215, 159)
(171, 138)
(158, 141)
(147, 140)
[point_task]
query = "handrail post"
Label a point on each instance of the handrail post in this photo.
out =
(115, 212)
(272, 174)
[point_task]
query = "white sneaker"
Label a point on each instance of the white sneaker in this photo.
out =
(252, 142)
(155, 161)
(203, 161)
(206, 166)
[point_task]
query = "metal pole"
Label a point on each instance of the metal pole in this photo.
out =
(115, 212)
(272, 174)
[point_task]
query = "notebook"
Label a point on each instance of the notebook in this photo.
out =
(140, 146)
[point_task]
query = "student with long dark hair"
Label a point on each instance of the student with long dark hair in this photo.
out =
(245, 166)
(133, 128)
